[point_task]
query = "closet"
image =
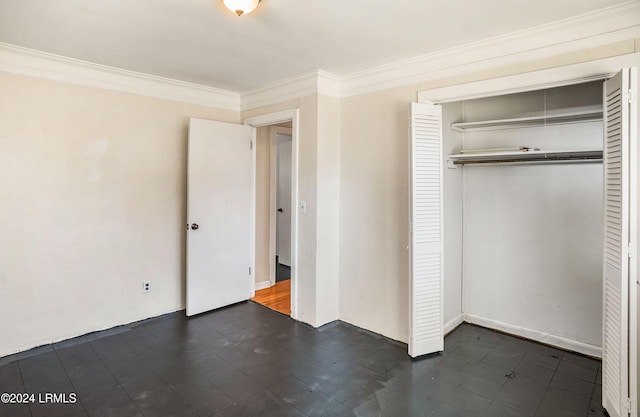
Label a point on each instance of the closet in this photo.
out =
(532, 218)
(520, 221)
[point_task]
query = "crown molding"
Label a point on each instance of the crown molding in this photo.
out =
(606, 28)
(312, 82)
(24, 61)
(329, 84)
(535, 80)
(602, 27)
(280, 91)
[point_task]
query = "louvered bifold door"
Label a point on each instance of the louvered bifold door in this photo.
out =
(615, 344)
(426, 317)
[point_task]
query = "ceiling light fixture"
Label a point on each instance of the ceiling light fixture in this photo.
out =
(241, 7)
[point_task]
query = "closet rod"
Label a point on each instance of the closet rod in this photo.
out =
(531, 156)
(531, 162)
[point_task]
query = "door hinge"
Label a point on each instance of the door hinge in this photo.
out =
(251, 145)
(630, 96)
(249, 270)
(629, 250)
(631, 407)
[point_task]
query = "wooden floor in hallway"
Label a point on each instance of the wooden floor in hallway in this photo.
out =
(277, 298)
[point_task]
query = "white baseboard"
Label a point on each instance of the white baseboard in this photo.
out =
(262, 285)
(536, 335)
(453, 323)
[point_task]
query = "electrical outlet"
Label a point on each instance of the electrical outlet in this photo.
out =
(146, 286)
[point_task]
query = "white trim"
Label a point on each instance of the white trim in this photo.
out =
(453, 323)
(535, 80)
(289, 89)
(328, 84)
(273, 181)
(292, 115)
(602, 27)
(262, 285)
(538, 336)
(24, 61)
(607, 27)
(309, 83)
(634, 154)
(271, 118)
(272, 206)
(252, 219)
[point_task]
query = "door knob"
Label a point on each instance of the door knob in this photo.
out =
(194, 226)
(279, 210)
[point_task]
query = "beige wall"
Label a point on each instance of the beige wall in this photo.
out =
(328, 243)
(263, 193)
(93, 191)
(374, 197)
(92, 184)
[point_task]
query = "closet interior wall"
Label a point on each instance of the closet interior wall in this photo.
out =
(532, 235)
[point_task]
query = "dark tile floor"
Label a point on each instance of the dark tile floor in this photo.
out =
(247, 360)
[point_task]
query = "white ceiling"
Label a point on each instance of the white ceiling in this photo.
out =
(199, 41)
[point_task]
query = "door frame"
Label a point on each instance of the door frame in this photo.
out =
(271, 119)
(634, 251)
(535, 80)
(599, 69)
(273, 217)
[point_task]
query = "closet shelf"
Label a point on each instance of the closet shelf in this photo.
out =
(533, 121)
(528, 156)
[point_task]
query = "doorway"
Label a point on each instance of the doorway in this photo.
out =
(276, 292)
(276, 215)
(281, 144)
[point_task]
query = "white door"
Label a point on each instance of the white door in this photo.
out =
(426, 332)
(283, 199)
(617, 135)
(220, 169)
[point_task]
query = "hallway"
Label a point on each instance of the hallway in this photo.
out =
(277, 298)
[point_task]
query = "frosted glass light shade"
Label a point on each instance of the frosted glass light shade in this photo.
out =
(241, 7)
